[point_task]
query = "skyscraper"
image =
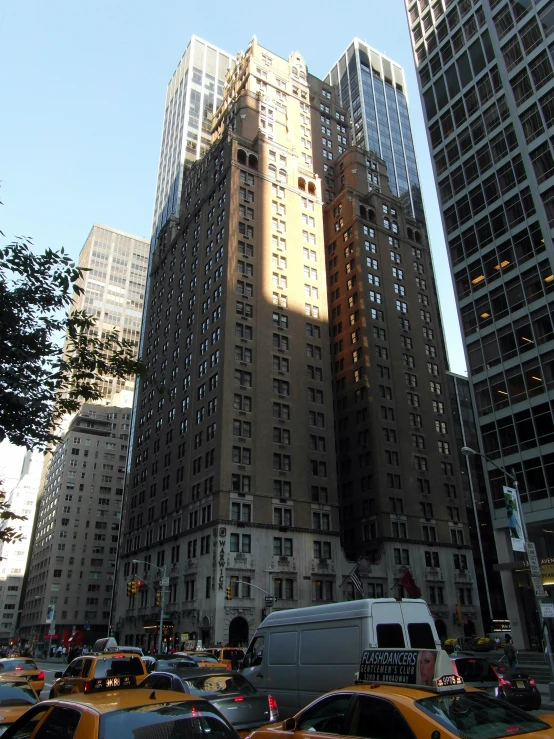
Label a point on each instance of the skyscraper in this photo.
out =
(22, 501)
(193, 95)
(372, 88)
(74, 547)
(233, 466)
(486, 78)
(114, 284)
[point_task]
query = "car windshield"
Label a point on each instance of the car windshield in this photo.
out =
(203, 658)
(476, 716)
(17, 664)
(191, 719)
(222, 683)
(112, 666)
(175, 664)
(12, 695)
(475, 670)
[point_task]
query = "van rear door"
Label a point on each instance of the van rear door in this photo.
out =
(420, 627)
(386, 624)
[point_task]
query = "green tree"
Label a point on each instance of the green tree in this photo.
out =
(39, 382)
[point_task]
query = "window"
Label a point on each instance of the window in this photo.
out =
(282, 547)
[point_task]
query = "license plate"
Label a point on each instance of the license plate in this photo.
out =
(520, 684)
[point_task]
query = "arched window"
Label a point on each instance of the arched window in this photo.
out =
(418, 237)
(241, 156)
(394, 227)
(301, 183)
(272, 171)
(410, 233)
(253, 161)
(363, 212)
(370, 214)
(386, 223)
(283, 175)
(311, 188)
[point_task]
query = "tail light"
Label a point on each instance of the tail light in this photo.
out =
(531, 681)
(503, 681)
(40, 675)
(87, 686)
(273, 711)
(238, 698)
(227, 667)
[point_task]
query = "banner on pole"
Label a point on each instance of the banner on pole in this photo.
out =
(514, 519)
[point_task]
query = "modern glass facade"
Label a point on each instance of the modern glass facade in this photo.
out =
(193, 95)
(487, 82)
(372, 88)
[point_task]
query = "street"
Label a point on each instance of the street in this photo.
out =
(51, 666)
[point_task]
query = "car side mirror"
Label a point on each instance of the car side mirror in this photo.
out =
(57, 675)
(289, 724)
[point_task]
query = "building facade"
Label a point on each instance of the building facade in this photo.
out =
(486, 79)
(22, 501)
(400, 483)
(193, 95)
(114, 285)
(71, 570)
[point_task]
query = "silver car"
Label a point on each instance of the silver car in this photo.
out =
(234, 696)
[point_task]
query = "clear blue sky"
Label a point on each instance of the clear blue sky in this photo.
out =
(83, 91)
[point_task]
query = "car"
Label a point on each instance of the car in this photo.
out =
(517, 687)
(16, 696)
(477, 671)
(202, 659)
(237, 699)
(224, 654)
(23, 667)
(125, 714)
(79, 675)
(407, 694)
(131, 650)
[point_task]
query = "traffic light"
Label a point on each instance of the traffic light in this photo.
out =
(229, 593)
(140, 585)
(133, 585)
(158, 597)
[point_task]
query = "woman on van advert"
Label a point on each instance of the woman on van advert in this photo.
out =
(426, 667)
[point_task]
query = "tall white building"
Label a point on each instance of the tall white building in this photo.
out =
(193, 95)
(13, 556)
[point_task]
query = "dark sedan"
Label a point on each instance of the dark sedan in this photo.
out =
(517, 687)
(234, 696)
(161, 662)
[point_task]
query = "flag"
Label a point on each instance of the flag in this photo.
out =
(355, 580)
(408, 583)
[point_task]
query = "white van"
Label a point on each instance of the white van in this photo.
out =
(298, 654)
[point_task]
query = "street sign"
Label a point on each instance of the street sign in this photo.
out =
(547, 610)
(270, 600)
(165, 582)
(534, 565)
(537, 586)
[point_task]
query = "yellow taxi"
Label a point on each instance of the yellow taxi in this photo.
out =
(225, 655)
(407, 694)
(125, 714)
(81, 673)
(22, 667)
(202, 659)
(16, 696)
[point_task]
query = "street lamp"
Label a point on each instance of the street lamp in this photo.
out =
(468, 452)
(165, 581)
(269, 572)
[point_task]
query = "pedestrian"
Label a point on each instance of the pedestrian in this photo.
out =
(234, 659)
(59, 652)
(510, 653)
(152, 648)
(497, 642)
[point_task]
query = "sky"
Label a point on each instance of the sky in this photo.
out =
(83, 96)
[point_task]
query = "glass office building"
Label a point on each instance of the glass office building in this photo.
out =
(373, 89)
(193, 95)
(487, 81)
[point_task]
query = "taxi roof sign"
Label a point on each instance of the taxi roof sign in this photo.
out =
(431, 669)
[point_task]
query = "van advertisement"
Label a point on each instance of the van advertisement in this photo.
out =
(408, 666)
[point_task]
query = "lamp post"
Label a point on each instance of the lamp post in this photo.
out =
(165, 582)
(468, 452)
(270, 594)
